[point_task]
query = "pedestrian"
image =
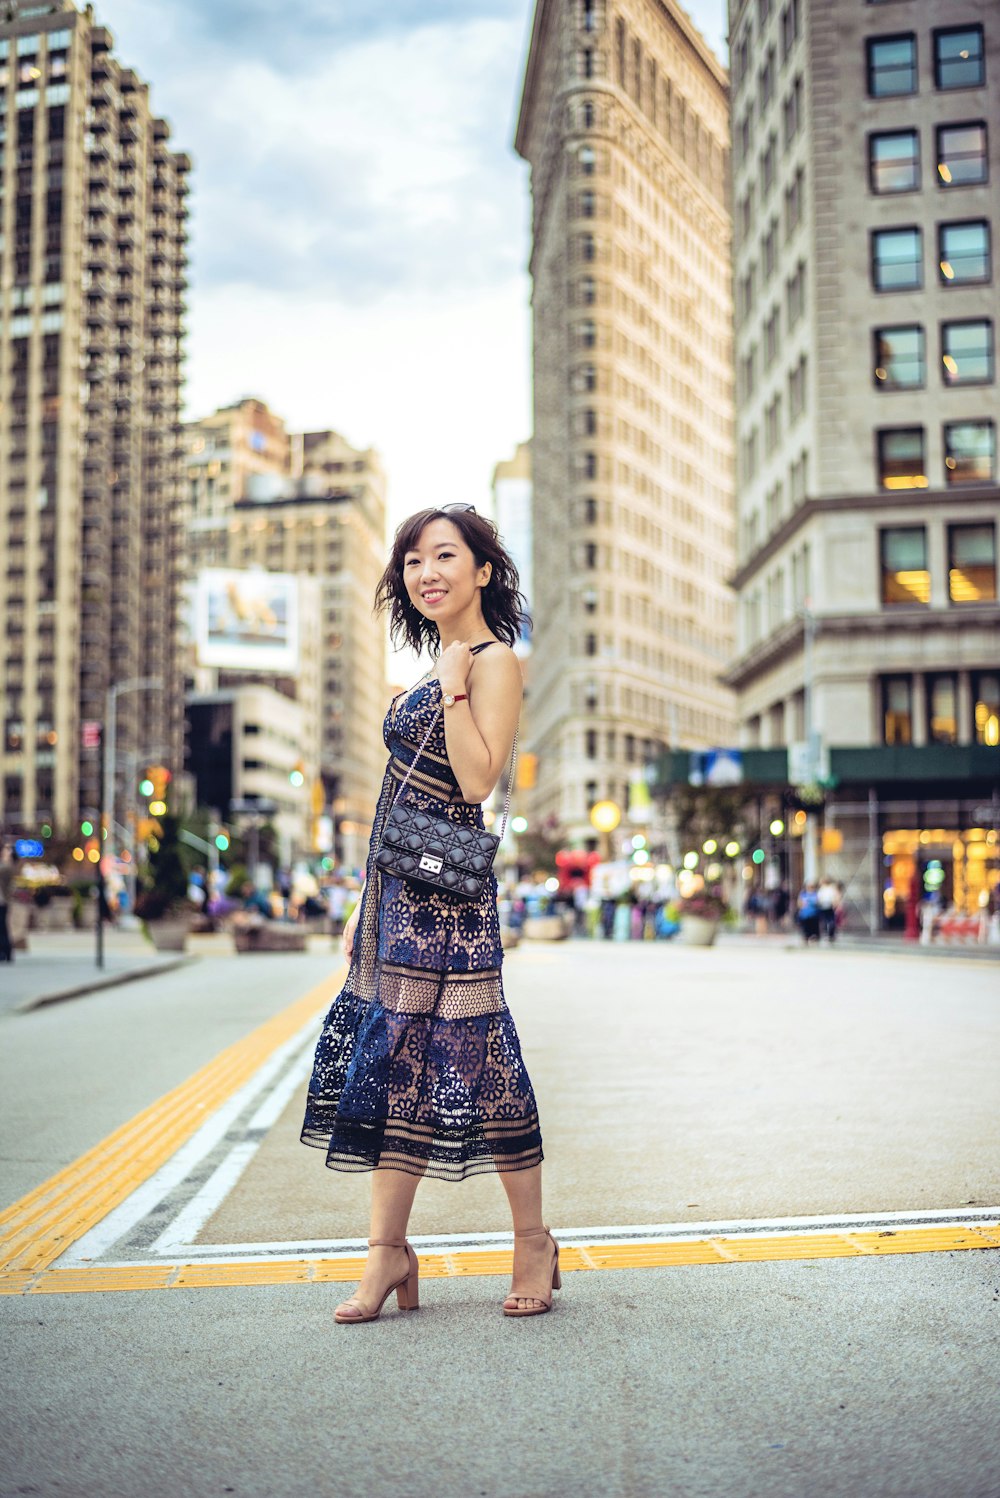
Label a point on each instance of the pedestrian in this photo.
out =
(8, 873)
(418, 1070)
(827, 899)
(807, 913)
(336, 904)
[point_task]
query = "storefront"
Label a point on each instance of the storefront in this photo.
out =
(958, 866)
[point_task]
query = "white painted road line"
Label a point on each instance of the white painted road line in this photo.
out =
(146, 1197)
(584, 1237)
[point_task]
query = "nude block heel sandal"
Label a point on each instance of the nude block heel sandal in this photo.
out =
(546, 1305)
(407, 1289)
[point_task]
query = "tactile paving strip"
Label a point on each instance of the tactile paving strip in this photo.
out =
(43, 1224)
(747, 1249)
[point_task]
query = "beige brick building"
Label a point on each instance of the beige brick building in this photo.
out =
(330, 524)
(224, 453)
(624, 120)
(93, 250)
(866, 142)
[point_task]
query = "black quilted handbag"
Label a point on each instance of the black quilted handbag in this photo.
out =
(428, 849)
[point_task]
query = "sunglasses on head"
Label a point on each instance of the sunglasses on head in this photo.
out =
(458, 505)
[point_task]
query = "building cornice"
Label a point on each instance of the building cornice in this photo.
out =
(831, 503)
(545, 10)
(788, 640)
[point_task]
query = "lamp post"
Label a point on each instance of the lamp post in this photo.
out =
(108, 777)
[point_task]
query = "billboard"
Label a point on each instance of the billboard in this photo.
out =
(247, 620)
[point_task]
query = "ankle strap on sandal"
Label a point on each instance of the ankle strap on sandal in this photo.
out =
(530, 1232)
(386, 1242)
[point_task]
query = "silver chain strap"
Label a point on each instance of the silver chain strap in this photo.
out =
(510, 773)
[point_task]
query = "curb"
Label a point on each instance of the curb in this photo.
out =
(95, 985)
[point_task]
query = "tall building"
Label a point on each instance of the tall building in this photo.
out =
(225, 452)
(93, 254)
(866, 156)
(330, 524)
(512, 513)
(624, 120)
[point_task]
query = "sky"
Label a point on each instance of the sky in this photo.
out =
(360, 221)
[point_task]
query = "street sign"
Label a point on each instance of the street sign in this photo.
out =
(261, 808)
(90, 735)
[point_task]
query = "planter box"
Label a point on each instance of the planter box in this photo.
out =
(544, 928)
(270, 938)
(168, 935)
(696, 931)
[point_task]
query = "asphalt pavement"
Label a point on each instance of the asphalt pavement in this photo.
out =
(676, 1087)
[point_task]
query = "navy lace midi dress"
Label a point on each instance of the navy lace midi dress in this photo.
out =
(418, 1067)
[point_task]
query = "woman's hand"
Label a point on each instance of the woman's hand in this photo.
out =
(454, 665)
(347, 939)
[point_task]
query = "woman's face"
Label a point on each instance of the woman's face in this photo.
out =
(440, 572)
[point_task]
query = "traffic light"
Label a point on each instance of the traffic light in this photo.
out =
(297, 776)
(154, 786)
(527, 772)
(222, 840)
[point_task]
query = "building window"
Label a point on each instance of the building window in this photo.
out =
(894, 161)
(964, 253)
(897, 710)
(795, 295)
(769, 250)
(896, 259)
(587, 158)
(794, 202)
(986, 708)
(587, 333)
(792, 112)
(899, 358)
(958, 57)
(892, 66)
(901, 458)
(969, 452)
(588, 291)
(588, 204)
(972, 563)
(797, 390)
(961, 154)
(768, 166)
(942, 709)
(588, 247)
(967, 352)
(590, 644)
(790, 27)
(772, 338)
(772, 426)
(584, 379)
(590, 743)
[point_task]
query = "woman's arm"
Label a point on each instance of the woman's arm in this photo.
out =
(479, 733)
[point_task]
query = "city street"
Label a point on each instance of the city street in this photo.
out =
(775, 1175)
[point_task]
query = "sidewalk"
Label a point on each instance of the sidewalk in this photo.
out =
(62, 965)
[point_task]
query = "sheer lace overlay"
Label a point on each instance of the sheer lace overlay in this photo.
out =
(418, 1066)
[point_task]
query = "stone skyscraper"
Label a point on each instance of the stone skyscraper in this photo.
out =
(865, 168)
(624, 120)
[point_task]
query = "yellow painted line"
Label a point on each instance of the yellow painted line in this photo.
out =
(43, 1224)
(771, 1249)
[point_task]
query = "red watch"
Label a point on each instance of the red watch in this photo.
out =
(450, 698)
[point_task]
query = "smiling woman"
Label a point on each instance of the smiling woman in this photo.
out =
(418, 1069)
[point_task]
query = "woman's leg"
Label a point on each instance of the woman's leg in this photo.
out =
(532, 1256)
(392, 1197)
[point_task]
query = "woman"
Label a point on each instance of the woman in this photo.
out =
(418, 1069)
